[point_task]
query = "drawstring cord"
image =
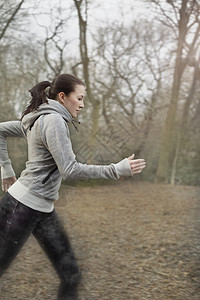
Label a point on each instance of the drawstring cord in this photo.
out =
(74, 124)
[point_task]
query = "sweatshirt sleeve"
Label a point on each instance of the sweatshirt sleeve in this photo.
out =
(57, 139)
(8, 129)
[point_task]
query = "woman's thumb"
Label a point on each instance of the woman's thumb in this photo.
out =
(132, 156)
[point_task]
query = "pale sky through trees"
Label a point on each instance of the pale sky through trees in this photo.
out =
(99, 12)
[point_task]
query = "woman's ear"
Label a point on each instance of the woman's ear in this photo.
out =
(61, 97)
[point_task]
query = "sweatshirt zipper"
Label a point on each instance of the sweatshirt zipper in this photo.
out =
(49, 175)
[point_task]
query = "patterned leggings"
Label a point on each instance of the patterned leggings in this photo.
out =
(18, 221)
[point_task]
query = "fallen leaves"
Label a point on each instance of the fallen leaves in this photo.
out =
(132, 240)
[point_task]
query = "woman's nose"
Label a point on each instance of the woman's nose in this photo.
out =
(81, 104)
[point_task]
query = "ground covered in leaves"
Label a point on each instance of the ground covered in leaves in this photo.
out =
(133, 240)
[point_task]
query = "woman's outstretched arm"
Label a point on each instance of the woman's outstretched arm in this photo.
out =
(57, 140)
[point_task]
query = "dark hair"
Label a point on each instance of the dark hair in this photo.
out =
(65, 83)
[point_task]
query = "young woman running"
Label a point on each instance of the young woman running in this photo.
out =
(28, 204)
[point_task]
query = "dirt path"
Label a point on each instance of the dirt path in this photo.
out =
(133, 241)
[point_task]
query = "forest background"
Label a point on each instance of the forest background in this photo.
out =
(140, 64)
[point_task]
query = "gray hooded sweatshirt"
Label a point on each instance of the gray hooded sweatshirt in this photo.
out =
(50, 157)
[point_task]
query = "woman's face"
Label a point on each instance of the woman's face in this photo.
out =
(74, 101)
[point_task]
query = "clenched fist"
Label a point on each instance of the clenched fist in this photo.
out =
(7, 182)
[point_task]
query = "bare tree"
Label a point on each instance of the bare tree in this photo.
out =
(82, 11)
(55, 42)
(183, 20)
(56, 64)
(188, 125)
(129, 70)
(9, 10)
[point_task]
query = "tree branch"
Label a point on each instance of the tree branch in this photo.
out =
(9, 21)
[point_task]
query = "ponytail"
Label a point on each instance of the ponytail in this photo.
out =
(38, 97)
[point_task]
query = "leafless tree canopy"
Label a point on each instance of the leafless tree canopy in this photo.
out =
(141, 76)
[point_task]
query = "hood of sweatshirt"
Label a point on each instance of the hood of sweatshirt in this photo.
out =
(52, 106)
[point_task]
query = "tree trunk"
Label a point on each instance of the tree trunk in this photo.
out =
(167, 142)
(169, 128)
(85, 61)
(181, 139)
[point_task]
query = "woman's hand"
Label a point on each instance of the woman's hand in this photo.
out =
(137, 165)
(7, 182)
